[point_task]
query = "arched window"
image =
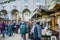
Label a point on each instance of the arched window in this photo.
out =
(15, 14)
(26, 14)
(3, 13)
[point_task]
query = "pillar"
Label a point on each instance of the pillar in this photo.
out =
(20, 15)
(9, 15)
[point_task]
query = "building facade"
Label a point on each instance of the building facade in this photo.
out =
(20, 9)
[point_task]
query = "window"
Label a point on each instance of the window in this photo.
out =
(26, 1)
(38, 1)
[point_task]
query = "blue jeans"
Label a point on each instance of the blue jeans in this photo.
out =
(9, 33)
(6, 31)
(3, 32)
(37, 39)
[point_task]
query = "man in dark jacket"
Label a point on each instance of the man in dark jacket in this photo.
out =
(13, 26)
(37, 32)
(3, 29)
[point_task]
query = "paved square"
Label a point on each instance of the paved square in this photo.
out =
(14, 37)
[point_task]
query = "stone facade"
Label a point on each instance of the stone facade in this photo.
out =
(20, 6)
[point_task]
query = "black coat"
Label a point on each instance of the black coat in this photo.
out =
(3, 26)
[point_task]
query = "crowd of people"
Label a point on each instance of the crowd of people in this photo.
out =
(8, 27)
(33, 29)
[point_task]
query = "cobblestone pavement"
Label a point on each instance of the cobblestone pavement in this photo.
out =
(14, 37)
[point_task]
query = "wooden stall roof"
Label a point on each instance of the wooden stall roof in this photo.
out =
(57, 7)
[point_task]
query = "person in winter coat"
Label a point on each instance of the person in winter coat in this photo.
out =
(9, 29)
(6, 28)
(29, 28)
(32, 30)
(23, 30)
(3, 29)
(0, 27)
(17, 27)
(13, 26)
(37, 32)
